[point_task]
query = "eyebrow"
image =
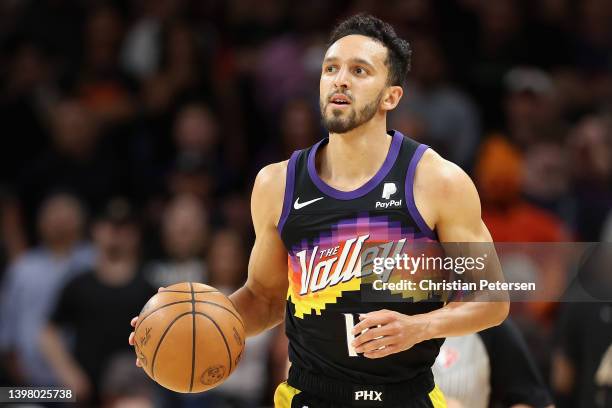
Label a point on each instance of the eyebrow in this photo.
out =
(354, 60)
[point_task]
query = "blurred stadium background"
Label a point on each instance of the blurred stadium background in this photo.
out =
(134, 129)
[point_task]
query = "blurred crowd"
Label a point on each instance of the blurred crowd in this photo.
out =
(133, 131)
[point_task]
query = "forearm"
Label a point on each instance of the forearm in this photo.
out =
(56, 353)
(258, 313)
(461, 318)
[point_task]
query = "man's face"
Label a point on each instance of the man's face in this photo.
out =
(353, 79)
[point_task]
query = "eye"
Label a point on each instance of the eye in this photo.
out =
(360, 71)
(330, 68)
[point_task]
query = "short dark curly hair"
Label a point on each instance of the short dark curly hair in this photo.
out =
(399, 51)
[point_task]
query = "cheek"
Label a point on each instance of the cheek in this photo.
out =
(323, 88)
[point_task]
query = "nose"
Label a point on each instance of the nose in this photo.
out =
(341, 80)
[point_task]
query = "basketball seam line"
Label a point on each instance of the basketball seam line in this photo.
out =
(187, 291)
(229, 353)
(162, 339)
(188, 301)
(208, 302)
(193, 334)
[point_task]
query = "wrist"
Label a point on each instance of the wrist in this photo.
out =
(429, 328)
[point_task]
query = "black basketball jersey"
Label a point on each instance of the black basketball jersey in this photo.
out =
(325, 231)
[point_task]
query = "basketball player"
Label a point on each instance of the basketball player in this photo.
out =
(360, 184)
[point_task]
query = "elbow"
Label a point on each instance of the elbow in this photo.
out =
(502, 312)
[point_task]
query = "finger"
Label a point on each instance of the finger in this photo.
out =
(134, 321)
(131, 339)
(372, 334)
(376, 344)
(160, 289)
(390, 349)
(373, 320)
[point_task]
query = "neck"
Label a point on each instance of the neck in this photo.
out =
(61, 249)
(357, 155)
(116, 272)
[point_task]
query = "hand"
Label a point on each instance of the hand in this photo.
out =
(134, 323)
(386, 332)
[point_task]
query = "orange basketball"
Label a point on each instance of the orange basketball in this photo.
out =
(189, 337)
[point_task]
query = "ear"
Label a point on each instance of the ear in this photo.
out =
(391, 97)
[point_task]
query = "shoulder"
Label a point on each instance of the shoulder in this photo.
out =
(444, 194)
(269, 192)
(268, 176)
(31, 262)
(440, 178)
(443, 185)
(271, 180)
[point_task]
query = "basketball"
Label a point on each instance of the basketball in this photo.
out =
(189, 337)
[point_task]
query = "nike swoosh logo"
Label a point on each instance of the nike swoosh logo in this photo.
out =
(297, 205)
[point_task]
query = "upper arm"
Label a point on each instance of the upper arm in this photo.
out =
(451, 205)
(267, 271)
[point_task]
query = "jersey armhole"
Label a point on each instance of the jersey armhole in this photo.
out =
(289, 187)
(409, 191)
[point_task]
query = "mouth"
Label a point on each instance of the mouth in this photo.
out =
(339, 100)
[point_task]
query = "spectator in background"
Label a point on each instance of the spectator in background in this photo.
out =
(184, 237)
(233, 211)
(499, 176)
(182, 72)
(141, 50)
(196, 132)
(546, 179)
(123, 385)
(74, 161)
(435, 112)
(572, 39)
(97, 305)
(227, 260)
(298, 128)
(499, 44)
(196, 136)
(589, 149)
(593, 49)
(549, 34)
(191, 175)
(33, 282)
(102, 85)
(532, 110)
(26, 88)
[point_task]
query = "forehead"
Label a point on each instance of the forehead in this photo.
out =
(358, 46)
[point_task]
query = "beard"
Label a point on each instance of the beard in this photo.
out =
(335, 122)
